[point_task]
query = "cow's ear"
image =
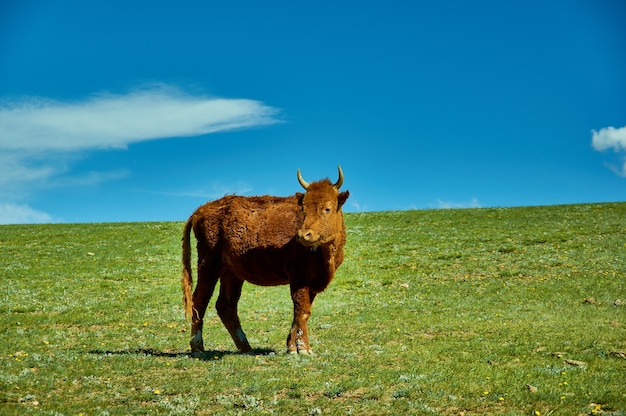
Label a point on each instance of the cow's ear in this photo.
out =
(299, 197)
(341, 199)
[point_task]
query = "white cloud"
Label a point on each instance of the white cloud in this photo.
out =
(609, 137)
(356, 206)
(612, 138)
(22, 214)
(618, 170)
(217, 190)
(454, 205)
(22, 167)
(114, 121)
(39, 137)
(91, 178)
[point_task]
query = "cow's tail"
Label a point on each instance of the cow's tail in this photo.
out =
(187, 279)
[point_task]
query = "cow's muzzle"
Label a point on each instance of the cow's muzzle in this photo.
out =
(308, 237)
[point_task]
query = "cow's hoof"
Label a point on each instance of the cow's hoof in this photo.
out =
(196, 354)
(300, 352)
(247, 350)
(196, 343)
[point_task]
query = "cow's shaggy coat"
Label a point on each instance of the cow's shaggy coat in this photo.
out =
(266, 240)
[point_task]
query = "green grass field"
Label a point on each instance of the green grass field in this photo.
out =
(516, 311)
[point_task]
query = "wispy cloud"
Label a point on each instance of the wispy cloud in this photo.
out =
(355, 206)
(216, 190)
(11, 213)
(615, 139)
(473, 203)
(91, 178)
(40, 137)
(114, 121)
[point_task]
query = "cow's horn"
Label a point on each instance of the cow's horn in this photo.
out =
(304, 183)
(339, 182)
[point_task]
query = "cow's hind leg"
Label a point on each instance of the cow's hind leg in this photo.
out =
(207, 279)
(226, 305)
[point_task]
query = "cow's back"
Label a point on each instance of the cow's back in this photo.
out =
(264, 222)
(238, 224)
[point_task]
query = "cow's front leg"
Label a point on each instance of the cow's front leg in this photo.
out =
(298, 339)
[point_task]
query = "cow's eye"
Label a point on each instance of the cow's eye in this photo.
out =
(327, 210)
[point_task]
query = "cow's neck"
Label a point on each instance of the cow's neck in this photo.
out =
(329, 252)
(321, 273)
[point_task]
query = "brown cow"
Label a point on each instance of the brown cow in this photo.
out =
(266, 240)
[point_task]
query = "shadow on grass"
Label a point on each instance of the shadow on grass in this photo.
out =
(205, 356)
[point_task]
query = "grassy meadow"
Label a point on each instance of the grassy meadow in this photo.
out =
(516, 311)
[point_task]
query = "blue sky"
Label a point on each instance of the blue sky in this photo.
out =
(142, 111)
